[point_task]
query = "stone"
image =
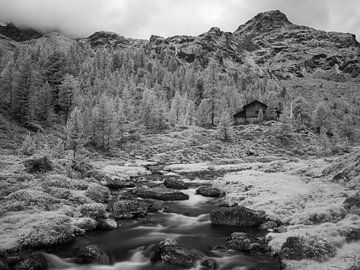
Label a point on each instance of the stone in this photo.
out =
(118, 183)
(207, 191)
(174, 183)
(159, 193)
(3, 266)
(352, 201)
(209, 263)
(248, 243)
(168, 251)
(181, 256)
(91, 254)
(32, 262)
(107, 224)
(353, 235)
(269, 225)
(237, 216)
(126, 209)
(85, 223)
(301, 248)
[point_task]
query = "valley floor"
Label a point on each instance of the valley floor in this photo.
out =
(42, 210)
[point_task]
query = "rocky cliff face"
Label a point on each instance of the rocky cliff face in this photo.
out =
(271, 42)
(14, 33)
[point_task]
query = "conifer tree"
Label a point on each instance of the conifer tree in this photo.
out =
(320, 118)
(42, 101)
(55, 67)
(67, 90)
(22, 86)
(260, 116)
(211, 102)
(74, 131)
(6, 83)
(224, 128)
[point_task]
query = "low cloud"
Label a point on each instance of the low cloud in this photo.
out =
(142, 18)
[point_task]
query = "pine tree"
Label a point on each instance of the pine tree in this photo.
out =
(56, 67)
(6, 83)
(260, 116)
(42, 99)
(74, 131)
(301, 108)
(320, 118)
(224, 128)
(22, 86)
(211, 99)
(67, 91)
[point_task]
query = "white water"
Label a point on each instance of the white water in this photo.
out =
(194, 200)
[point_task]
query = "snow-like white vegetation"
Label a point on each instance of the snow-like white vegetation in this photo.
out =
(124, 171)
(307, 204)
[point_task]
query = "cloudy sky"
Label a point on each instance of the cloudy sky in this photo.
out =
(142, 18)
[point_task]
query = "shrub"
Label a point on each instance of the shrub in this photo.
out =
(28, 147)
(52, 231)
(39, 164)
(97, 193)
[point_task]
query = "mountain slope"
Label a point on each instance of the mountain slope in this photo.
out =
(17, 34)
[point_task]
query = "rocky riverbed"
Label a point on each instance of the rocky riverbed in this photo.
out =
(144, 215)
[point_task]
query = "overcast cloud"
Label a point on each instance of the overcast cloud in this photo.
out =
(142, 18)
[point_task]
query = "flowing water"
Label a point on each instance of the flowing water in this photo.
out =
(188, 223)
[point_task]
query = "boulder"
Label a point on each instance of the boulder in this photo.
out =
(31, 262)
(153, 205)
(207, 191)
(91, 254)
(237, 216)
(175, 183)
(159, 193)
(168, 251)
(181, 256)
(246, 242)
(269, 225)
(107, 224)
(3, 266)
(352, 201)
(353, 235)
(85, 223)
(38, 164)
(125, 209)
(301, 248)
(118, 183)
(96, 211)
(209, 263)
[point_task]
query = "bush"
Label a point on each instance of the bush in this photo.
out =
(97, 193)
(52, 231)
(93, 210)
(28, 147)
(38, 164)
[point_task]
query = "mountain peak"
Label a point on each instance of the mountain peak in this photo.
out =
(265, 22)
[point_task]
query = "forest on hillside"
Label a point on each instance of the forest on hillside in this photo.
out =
(104, 96)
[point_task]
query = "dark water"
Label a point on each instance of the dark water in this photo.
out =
(189, 224)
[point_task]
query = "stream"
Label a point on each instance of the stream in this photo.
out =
(188, 222)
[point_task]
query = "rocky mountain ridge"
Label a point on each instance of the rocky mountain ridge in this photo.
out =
(268, 43)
